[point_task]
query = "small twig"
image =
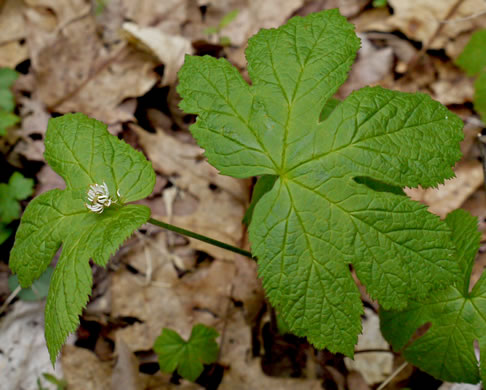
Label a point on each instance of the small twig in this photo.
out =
(458, 20)
(226, 316)
(413, 62)
(10, 298)
(392, 376)
(121, 50)
(372, 350)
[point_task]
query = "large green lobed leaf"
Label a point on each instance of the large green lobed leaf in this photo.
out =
(457, 317)
(83, 152)
(334, 200)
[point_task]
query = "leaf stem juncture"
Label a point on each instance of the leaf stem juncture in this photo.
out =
(200, 237)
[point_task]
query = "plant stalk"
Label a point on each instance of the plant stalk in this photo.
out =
(200, 237)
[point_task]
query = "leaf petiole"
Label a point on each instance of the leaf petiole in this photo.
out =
(200, 237)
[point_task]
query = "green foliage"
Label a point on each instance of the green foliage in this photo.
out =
(316, 218)
(457, 317)
(379, 3)
(61, 384)
(38, 290)
(188, 356)
(473, 61)
(84, 153)
(18, 188)
(473, 58)
(225, 21)
(7, 100)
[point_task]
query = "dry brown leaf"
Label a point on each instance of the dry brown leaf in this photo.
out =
(125, 372)
(11, 21)
(169, 49)
(129, 74)
(252, 16)
(167, 301)
(154, 12)
(64, 11)
(374, 366)
(420, 19)
(83, 370)
(372, 19)
(13, 49)
(13, 53)
(454, 192)
(356, 381)
(24, 356)
(74, 71)
(371, 66)
(452, 85)
(244, 370)
(221, 200)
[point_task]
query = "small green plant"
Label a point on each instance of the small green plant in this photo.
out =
(7, 100)
(456, 314)
(379, 3)
(18, 188)
(330, 193)
(225, 21)
(61, 384)
(188, 356)
(473, 61)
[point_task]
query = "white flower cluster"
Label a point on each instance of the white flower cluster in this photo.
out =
(98, 197)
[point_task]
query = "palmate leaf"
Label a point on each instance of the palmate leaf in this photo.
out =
(18, 188)
(457, 317)
(82, 151)
(333, 201)
(188, 356)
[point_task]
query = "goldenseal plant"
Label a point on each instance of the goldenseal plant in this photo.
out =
(329, 194)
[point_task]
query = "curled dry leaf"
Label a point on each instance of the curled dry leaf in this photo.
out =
(169, 49)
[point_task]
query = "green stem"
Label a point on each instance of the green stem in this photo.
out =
(200, 237)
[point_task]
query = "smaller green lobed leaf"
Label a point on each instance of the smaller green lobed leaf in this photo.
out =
(7, 100)
(473, 58)
(84, 153)
(7, 77)
(7, 119)
(189, 356)
(456, 315)
(18, 188)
